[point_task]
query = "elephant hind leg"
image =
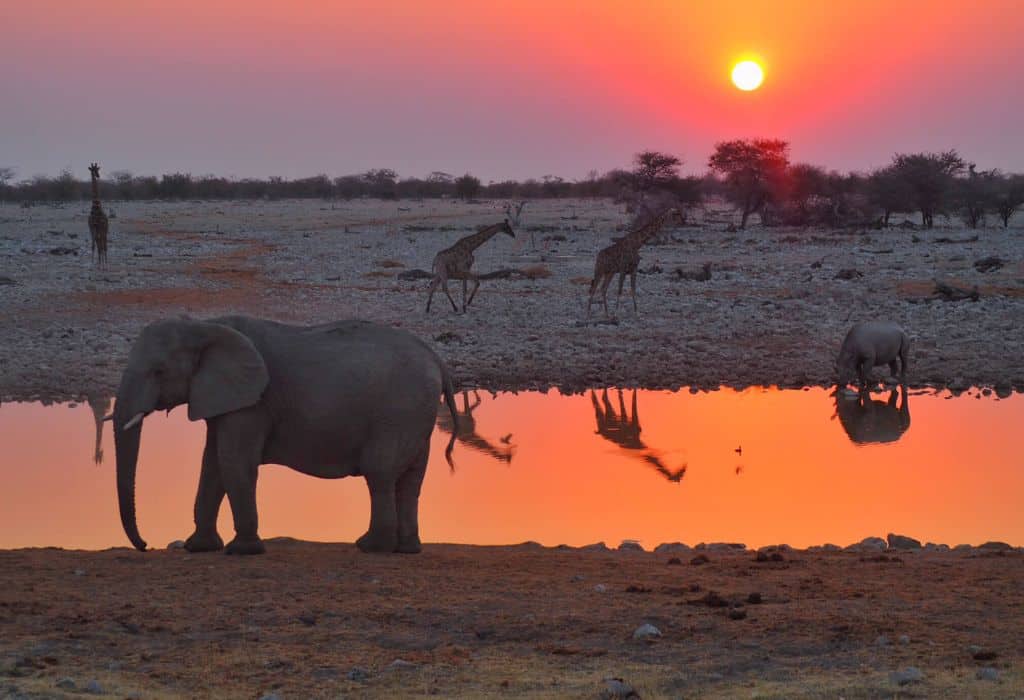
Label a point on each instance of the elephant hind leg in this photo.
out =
(407, 498)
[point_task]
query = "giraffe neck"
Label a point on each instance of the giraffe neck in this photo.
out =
(95, 189)
(645, 233)
(474, 241)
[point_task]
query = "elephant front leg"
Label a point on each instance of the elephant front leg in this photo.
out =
(407, 498)
(383, 533)
(209, 496)
(238, 455)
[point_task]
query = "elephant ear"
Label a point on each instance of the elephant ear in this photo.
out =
(230, 375)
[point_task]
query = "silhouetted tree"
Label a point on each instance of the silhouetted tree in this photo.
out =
(652, 170)
(976, 194)
(381, 182)
(467, 186)
(889, 192)
(929, 177)
(176, 186)
(752, 169)
(1009, 197)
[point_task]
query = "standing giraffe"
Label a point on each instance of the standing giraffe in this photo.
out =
(455, 262)
(623, 257)
(99, 225)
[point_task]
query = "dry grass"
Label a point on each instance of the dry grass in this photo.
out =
(388, 263)
(377, 273)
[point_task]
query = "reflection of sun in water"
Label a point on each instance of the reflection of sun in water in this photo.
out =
(747, 75)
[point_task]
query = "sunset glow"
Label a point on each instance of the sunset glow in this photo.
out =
(747, 75)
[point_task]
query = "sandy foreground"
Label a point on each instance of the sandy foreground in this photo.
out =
(773, 312)
(322, 620)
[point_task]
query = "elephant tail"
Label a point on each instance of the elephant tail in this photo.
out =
(449, 399)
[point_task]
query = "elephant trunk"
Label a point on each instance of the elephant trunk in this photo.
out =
(127, 445)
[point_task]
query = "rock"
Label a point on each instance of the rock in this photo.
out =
(993, 262)
(93, 687)
(754, 599)
(630, 546)
(617, 688)
(987, 673)
(737, 614)
(904, 639)
(646, 632)
(672, 548)
(902, 542)
(825, 548)
(910, 674)
(962, 548)
(933, 547)
(65, 684)
(721, 547)
(596, 547)
(176, 544)
(600, 588)
(763, 557)
(980, 654)
(769, 548)
(881, 641)
(995, 547)
(699, 559)
(79, 572)
(357, 674)
(401, 665)
(711, 600)
(674, 561)
(868, 544)
(848, 274)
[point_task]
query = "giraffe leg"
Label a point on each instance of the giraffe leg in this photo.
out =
(433, 287)
(476, 286)
(593, 287)
(448, 293)
(632, 289)
(618, 298)
(604, 291)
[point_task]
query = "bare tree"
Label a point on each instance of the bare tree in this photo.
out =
(1009, 197)
(752, 169)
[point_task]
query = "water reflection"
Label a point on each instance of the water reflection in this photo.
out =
(804, 480)
(624, 430)
(101, 407)
(466, 430)
(867, 420)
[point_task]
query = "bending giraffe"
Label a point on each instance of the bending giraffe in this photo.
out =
(624, 430)
(623, 257)
(463, 426)
(99, 225)
(455, 262)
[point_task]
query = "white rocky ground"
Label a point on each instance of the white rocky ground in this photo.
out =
(773, 312)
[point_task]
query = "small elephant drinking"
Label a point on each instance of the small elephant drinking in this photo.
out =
(871, 344)
(350, 398)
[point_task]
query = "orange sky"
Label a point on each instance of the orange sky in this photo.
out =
(508, 88)
(953, 477)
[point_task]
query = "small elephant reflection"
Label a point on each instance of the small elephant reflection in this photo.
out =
(624, 430)
(866, 420)
(466, 432)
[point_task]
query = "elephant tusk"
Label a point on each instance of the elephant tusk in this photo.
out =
(134, 421)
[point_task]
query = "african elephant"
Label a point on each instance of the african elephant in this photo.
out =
(868, 421)
(871, 344)
(350, 398)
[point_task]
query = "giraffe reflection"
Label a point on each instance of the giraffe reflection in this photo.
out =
(100, 406)
(624, 430)
(466, 431)
(868, 421)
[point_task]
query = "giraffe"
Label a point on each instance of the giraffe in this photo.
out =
(455, 261)
(100, 406)
(464, 427)
(623, 257)
(624, 430)
(99, 225)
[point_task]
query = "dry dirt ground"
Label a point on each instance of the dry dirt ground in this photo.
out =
(773, 312)
(322, 620)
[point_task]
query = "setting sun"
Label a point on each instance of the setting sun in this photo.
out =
(747, 75)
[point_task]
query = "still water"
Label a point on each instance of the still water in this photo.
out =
(759, 466)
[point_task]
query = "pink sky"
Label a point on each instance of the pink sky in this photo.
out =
(504, 89)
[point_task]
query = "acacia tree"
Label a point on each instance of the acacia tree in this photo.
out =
(1009, 197)
(976, 194)
(889, 192)
(929, 178)
(467, 186)
(382, 182)
(752, 170)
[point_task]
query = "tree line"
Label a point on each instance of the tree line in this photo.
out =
(755, 175)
